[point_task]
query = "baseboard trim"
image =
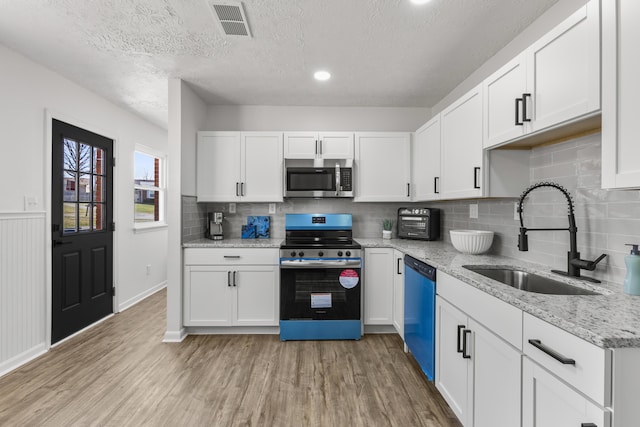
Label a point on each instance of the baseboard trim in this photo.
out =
(136, 299)
(22, 359)
(175, 336)
(379, 329)
(233, 330)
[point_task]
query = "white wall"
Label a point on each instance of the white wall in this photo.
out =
(547, 21)
(187, 114)
(298, 118)
(29, 92)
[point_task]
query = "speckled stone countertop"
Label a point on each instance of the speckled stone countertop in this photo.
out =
(234, 243)
(611, 320)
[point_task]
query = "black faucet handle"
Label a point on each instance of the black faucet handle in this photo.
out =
(587, 265)
(523, 240)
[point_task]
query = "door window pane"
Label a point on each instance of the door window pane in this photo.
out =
(70, 215)
(69, 186)
(70, 153)
(85, 214)
(98, 161)
(84, 159)
(98, 216)
(84, 188)
(98, 188)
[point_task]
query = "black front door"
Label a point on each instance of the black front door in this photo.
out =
(82, 217)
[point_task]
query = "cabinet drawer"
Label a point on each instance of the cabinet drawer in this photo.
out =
(591, 373)
(231, 256)
(498, 316)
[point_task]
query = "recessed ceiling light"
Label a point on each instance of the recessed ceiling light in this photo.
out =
(420, 1)
(322, 75)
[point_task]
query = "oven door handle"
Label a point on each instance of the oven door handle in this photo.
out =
(320, 263)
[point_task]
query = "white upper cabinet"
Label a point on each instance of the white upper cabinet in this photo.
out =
(563, 70)
(555, 80)
(239, 166)
(382, 167)
(503, 102)
(620, 94)
(425, 162)
(318, 145)
(461, 124)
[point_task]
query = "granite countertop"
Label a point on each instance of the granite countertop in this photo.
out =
(611, 320)
(233, 243)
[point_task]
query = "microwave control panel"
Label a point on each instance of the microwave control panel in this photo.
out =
(345, 179)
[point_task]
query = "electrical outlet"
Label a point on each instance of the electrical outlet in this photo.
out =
(473, 211)
(30, 203)
(148, 269)
(232, 208)
(272, 208)
(516, 217)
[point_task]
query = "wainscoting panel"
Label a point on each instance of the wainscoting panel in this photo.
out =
(22, 287)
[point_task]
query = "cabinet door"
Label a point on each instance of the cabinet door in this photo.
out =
(563, 70)
(378, 288)
(261, 167)
(503, 118)
(398, 292)
(383, 167)
(547, 401)
(300, 145)
(256, 300)
(207, 296)
(453, 372)
(425, 162)
(462, 147)
(620, 94)
(218, 167)
(496, 381)
(336, 145)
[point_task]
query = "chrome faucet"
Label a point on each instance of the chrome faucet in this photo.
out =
(574, 263)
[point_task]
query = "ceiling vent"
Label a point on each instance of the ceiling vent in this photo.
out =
(231, 18)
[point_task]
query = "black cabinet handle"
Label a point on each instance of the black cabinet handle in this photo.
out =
(525, 117)
(237, 186)
(242, 188)
(465, 334)
(588, 425)
(560, 358)
(518, 122)
(399, 272)
(408, 190)
(459, 348)
(436, 181)
(476, 172)
(320, 152)
(60, 243)
(317, 150)
(229, 278)
(234, 278)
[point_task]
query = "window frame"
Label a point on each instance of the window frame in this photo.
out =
(161, 189)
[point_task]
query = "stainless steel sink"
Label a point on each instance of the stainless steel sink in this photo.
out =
(529, 282)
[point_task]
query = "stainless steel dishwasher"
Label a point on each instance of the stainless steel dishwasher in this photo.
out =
(419, 312)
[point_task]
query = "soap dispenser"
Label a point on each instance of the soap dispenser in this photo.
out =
(632, 280)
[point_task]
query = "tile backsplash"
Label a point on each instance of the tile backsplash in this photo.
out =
(606, 219)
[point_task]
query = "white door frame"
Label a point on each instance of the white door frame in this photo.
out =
(48, 157)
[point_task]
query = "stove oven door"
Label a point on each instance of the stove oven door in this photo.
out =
(320, 290)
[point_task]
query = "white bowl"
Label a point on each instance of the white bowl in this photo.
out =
(471, 241)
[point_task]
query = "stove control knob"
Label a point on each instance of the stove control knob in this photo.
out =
(339, 253)
(320, 253)
(300, 253)
(293, 253)
(348, 253)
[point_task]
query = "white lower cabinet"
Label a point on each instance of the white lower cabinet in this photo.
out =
(398, 292)
(378, 288)
(548, 401)
(477, 371)
(243, 292)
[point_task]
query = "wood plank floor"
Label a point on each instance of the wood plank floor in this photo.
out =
(119, 373)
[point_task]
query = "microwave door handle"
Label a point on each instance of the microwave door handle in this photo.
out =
(337, 180)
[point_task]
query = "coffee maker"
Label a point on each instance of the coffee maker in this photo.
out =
(214, 226)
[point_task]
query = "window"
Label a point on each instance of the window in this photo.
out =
(149, 188)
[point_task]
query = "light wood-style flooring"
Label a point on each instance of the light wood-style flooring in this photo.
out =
(119, 373)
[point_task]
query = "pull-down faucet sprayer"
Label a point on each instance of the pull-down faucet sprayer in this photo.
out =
(574, 263)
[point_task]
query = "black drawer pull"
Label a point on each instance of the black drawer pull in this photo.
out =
(460, 328)
(232, 256)
(588, 425)
(560, 358)
(465, 334)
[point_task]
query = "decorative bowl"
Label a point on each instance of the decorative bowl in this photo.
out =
(471, 241)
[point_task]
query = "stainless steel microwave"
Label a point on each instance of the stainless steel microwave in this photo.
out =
(318, 182)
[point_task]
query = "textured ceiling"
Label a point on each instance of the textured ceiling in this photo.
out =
(380, 52)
